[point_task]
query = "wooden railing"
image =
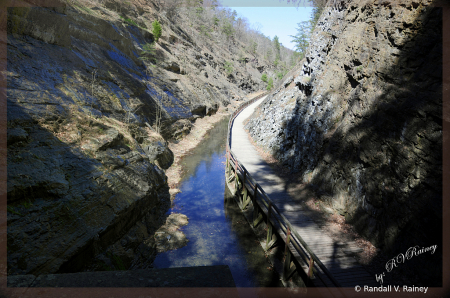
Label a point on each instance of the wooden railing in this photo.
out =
(264, 208)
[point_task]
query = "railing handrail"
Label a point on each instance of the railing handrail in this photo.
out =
(267, 202)
(236, 112)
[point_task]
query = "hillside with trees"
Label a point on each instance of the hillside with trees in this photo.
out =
(96, 89)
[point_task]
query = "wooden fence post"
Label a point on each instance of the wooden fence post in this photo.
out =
(269, 241)
(257, 216)
(310, 268)
(228, 162)
(287, 255)
(236, 178)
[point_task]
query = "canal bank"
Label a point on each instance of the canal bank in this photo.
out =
(217, 232)
(199, 131)
(234, 247)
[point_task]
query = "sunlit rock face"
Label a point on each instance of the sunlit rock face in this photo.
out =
(368, 138)
(86, 184)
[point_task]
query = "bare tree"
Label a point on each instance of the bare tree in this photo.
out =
(158, 114)
(134, 106)
(171, 8)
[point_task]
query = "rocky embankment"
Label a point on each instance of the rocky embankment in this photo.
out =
(86, 166)
(361, 123)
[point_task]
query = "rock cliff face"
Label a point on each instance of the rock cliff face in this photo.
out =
(85, 164)
(361, 121)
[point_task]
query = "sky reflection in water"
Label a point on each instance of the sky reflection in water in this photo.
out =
(214, 238)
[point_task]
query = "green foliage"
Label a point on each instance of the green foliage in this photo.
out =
(199, 10)
(228, 67)
(205, 30)
(280, 74)
(276, 62)
(216, 21)
(277, 46)
(214, 4)
(157, 30)
(26, 204)
(129, 21)
(359, 68)
(318, 6)
(264, 78)
(118, 263)
(233, 16)
(270, 84)
(301, 39)
(253, 47)
(148, 48)
(268, 55)
(148, 52)
(228, 29)
(12, 210)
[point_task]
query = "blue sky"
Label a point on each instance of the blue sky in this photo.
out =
(275, 17)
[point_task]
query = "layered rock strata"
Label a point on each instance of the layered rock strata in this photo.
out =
(361, 121)
(88, 119)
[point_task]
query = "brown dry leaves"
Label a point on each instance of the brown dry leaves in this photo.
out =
(338, 229)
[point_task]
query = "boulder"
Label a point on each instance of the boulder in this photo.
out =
(199, 109)
(158, 150)
(172, 66)
(165, 159)
(211, 110)
(288, 81)
(181, 128)
(95, 143)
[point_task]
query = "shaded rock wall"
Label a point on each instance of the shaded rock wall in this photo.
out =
(65, 204)
(368, 138)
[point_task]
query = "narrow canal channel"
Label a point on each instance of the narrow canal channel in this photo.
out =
(218, 233)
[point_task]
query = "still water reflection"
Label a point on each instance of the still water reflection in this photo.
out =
(218, 233)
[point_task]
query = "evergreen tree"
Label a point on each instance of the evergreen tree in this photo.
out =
(216, 21)
(270, 84)
(276, 44)
(316, 12)
(253, 47)
(264, 78)
(268, 55)
(157, 30)
(148, 52)
(228, 29)
(301, 39)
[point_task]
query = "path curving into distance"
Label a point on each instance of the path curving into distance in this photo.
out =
(336, 256)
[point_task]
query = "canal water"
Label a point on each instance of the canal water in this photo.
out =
(218, 233)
